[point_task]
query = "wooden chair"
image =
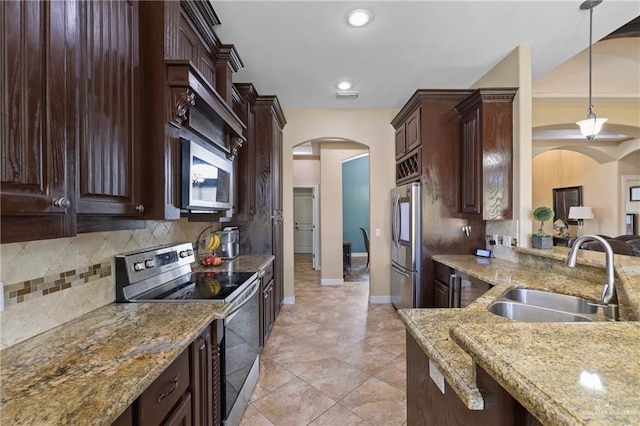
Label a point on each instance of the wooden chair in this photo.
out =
(365, 235)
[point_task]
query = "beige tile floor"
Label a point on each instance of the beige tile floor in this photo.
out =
(332, 359)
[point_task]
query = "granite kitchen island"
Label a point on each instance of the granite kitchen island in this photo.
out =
(561, 373)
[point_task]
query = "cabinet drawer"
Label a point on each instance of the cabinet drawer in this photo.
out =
(268, 273)
(442, 273)
(163, 394)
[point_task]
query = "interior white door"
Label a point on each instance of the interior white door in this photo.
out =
(303, 219)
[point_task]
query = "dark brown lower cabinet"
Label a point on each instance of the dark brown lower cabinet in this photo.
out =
(125, 419)
(217, 333)
(182, 415)
(202, 379)
(426, 405)
(441, 285)
(268, 304)
(188, 392)
(157, 402)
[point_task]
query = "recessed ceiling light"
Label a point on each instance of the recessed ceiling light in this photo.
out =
(358, 17)
(344, 85)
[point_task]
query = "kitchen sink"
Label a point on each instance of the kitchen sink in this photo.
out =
(546, 299)
(531, 313)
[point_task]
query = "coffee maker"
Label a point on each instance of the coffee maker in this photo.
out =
(229, 243)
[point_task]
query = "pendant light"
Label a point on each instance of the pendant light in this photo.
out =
(591, 125)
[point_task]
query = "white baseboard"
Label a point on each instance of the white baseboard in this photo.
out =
(359, 254)
(332, 281)
(376, 300)
(289, 300)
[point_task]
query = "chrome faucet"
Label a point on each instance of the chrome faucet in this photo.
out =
(609, 298)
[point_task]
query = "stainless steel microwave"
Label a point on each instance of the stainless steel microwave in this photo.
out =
(207, 178)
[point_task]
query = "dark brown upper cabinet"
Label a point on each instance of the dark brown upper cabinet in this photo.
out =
(38, 85)
(109, 162)
(244, 102)
(487, 153)
(188, 94)
(408, 136)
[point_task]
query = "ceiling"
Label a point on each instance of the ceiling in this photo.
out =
(300, 50)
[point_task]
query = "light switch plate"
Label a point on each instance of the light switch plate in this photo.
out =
(377, 232)
(436, 376)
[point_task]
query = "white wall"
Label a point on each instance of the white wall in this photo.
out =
(331, 233)
(370, 127)
(306, 171)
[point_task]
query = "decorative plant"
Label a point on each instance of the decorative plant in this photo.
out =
(542, 214)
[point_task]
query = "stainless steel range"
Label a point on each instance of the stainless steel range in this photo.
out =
(164, 274)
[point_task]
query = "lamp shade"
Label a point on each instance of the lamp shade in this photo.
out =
(580, 213)
(591, 126)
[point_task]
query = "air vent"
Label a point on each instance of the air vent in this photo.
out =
(344, 94)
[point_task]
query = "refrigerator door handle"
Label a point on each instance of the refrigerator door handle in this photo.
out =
(400, 272)
(394, 220)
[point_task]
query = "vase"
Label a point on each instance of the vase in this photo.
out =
(538, 242)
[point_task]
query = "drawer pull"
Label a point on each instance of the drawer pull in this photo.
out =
(170, 391)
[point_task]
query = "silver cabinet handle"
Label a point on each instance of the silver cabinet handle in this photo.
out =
(62, 202)
(140, 208)
(174, 386)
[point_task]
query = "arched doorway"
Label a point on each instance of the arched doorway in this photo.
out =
(318, 164)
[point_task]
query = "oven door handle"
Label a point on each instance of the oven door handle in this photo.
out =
(232, 307)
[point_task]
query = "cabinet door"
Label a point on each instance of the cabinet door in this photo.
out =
(201, 379)
(413, 137)
(109, 163)
(37, 131)
(442, 295)
(217, 333)
(125, 419)
(246, 163)
(269, 310)
(182, 416)
(471, 162)
(400, 141)
(442, 273)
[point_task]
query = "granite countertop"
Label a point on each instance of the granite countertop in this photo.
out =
(244, 263)
(432, 328)
(564, 374)
(89, 370)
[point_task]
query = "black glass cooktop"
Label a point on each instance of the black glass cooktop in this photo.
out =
(202, 286)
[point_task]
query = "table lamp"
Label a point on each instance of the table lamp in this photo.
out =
(580, 213)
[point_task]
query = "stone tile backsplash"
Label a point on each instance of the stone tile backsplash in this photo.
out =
(50, 282)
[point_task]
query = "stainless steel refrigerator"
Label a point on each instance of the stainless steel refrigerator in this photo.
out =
(406, 246)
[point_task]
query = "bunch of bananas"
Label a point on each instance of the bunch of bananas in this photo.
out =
(213, 242)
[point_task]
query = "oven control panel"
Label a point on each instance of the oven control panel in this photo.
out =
(137, 266)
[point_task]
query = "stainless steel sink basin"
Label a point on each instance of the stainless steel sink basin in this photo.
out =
(531, 313)
(545, 299)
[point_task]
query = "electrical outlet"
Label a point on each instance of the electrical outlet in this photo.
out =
(1, 296)
(377, 232)
(506, 241)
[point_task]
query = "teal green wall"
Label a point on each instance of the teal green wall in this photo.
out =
(355, 201)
